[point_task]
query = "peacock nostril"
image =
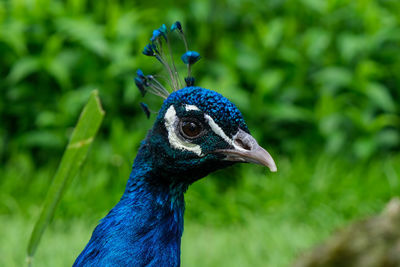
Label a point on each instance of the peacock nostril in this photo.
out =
(243, 140)
(242, 144)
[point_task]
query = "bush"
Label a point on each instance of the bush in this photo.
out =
(305, 73)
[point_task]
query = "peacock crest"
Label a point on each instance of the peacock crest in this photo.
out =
(160, 48)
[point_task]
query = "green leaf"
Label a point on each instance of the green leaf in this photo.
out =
(289, 112)
(381, 97)
(351, 45)
(89, 34)
(334, 77)
(73, 158)
(58, 71)
(24, 67)
(12, 33)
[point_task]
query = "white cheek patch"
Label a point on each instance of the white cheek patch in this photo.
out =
(170, 124)
(191, 107)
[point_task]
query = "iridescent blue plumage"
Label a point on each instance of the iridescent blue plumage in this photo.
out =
(144, 228)
(145, 109)
(150, 50)
(196, 132)
(162, 31)
(176, 26)
(190, 57)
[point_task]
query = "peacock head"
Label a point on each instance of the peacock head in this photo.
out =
(197, 130)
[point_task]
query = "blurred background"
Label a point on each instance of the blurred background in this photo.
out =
(317, 82)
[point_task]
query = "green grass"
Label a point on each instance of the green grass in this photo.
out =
(251, 218)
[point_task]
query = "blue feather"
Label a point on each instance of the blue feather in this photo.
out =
(190, 57)
(145, 109)
(144, 228)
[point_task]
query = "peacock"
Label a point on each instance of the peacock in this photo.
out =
(197, 131)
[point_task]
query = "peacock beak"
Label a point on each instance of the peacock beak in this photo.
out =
(246, 149)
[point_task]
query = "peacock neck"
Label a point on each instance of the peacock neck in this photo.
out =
(146, 225)
(147, 180)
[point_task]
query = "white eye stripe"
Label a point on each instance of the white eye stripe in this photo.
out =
(191, 107)
(218, 130)
(170, 124)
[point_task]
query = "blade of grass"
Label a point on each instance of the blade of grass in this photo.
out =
(75, 153)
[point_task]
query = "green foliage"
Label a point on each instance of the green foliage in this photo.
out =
(315, 73)
(71, 162)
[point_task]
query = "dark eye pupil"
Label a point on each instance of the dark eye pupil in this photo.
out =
(191, 129)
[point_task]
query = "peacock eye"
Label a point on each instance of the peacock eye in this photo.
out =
(191, 128)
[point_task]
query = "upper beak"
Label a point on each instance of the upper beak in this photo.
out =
(246, 149)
